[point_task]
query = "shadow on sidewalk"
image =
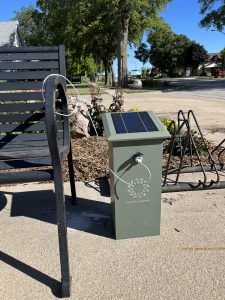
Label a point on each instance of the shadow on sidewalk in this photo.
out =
(89, 216)
(52, 283)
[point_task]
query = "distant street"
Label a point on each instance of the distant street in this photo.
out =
(214, 88)
(205, 97)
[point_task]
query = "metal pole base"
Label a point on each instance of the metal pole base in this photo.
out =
(66, 287)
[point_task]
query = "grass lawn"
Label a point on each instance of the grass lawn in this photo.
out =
(133, 91)
(81, 90)
(148, 85)
(210, 78)
(80, 85)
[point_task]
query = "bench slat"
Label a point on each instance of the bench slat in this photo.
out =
(23, 153)
(9, 118)
(29, 56)
(26, 153)
(26, 127)
(30, 65)
(31, 176)
(12, 147)
(33, 145)
(25, 163)
(22, 127)
(23, 85)
(31, 49)
(25, 75)
(20, 96)
(22, 107)
(26, 137)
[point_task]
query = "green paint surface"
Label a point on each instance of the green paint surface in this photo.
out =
(136, 207)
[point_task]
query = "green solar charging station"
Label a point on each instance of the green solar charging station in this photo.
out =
(135, 157)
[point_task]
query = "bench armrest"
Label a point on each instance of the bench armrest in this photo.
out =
(56, 86)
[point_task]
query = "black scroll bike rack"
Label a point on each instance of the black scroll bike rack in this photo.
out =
(183, 138)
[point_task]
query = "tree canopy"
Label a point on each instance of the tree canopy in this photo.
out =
(86, 33)
(171, 53)
(91, 29)
(213, 12)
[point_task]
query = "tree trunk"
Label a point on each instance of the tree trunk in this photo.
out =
(109, 81)
(106, 72)
(113, 76)
(223, 64)
(122, 52)
(93, 77)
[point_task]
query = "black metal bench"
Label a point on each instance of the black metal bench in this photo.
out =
(33, 139)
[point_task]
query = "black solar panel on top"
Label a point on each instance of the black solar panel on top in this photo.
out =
(132, 122)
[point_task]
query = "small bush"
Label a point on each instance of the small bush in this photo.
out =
(118, 101)
(97, 108)
(134, 109)
(166, 122)
(185, 142)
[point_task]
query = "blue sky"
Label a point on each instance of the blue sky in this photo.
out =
(182, 15)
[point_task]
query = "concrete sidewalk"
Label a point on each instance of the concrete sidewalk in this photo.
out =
(187, 261)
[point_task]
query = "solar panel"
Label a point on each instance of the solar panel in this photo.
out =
(131, 122)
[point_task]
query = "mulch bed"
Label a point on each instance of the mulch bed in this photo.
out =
(90, 155)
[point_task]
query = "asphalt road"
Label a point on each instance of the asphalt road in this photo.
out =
(213, 88)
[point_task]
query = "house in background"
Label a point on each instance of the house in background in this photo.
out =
(10, 34)
(213, 61)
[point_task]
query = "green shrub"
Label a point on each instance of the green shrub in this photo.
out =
(118, 101)
(185, 142)
(168, 124)
(97, 108)
(134, 109)
(130, 81)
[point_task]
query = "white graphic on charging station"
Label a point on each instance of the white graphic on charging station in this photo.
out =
(138, 188)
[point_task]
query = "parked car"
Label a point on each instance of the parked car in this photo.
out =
(218, 72)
